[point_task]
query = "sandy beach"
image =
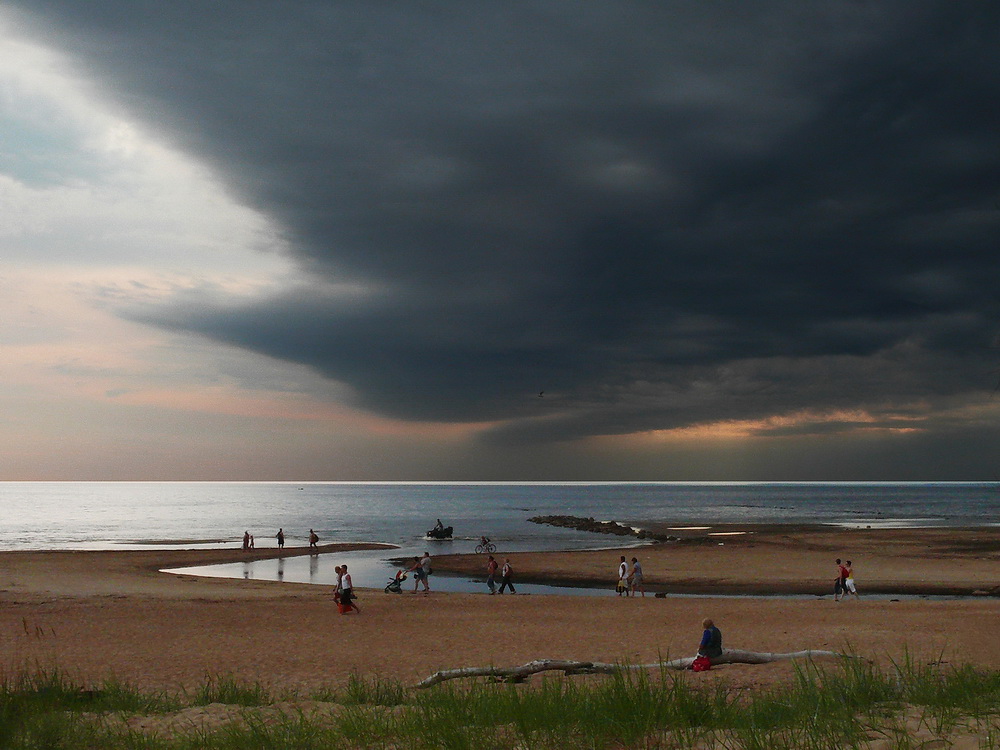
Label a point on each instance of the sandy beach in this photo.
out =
(102, 614)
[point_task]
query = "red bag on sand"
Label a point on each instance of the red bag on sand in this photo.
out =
(701, 664)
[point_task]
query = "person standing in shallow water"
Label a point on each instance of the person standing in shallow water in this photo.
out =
(280, 536)
(313, 538)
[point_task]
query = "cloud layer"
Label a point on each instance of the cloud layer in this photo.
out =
(658, 215)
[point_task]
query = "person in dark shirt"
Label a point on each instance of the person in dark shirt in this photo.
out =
(711, 640)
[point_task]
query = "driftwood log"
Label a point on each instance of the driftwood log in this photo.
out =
(523, 672)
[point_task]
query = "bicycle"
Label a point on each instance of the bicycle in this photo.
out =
(485, 546)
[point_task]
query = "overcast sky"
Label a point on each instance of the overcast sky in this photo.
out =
(519, 240)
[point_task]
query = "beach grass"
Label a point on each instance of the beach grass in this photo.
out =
(230, 691)
(361, 690)
(852, 703)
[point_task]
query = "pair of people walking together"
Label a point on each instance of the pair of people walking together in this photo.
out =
(630, 578)
(506, 573)
(844, 584)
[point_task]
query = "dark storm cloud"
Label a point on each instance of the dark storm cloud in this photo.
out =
(659, 214)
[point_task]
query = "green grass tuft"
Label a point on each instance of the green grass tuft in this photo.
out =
(373, 691)
(232, 692)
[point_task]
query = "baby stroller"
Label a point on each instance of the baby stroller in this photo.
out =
(395, 586)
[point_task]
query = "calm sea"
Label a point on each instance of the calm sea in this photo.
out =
(99, 515)
(135, 515)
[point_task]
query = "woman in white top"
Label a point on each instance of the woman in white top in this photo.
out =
(849, 583)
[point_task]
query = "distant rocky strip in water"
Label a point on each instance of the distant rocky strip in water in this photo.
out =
(602, 527)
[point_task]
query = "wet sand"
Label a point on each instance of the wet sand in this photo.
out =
(102, 614)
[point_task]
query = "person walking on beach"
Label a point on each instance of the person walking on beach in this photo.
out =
(840, 582)
(505, 574)
(313, 539)
(347, 597)
(246, 540)
(622, 587)
(251, 541)
(418, 575)
(280, 536)
(849, 586)
(491, 574)
(338, 584)
(635, 578)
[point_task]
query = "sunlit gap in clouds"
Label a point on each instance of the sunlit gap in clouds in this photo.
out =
(845, 420)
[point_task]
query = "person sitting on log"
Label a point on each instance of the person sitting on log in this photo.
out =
(711, 640)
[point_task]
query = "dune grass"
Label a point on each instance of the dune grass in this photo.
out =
(848, 704)
(228, 690)
(361, 691)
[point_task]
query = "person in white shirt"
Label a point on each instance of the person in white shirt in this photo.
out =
(505, 575)
(622, 587)
(347, 590)
(425, 566)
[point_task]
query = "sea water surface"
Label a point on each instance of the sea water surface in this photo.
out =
(147, 515)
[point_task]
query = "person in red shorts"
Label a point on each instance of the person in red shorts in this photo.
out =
(840, 582)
